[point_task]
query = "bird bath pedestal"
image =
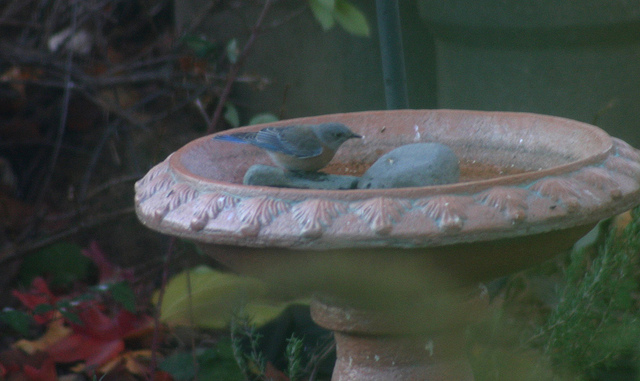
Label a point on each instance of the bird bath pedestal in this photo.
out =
(389, 268)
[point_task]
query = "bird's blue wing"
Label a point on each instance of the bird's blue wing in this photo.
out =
(299, 141)
(241, 137)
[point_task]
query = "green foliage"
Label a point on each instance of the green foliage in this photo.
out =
(252, 364)
(205, 297)
(245, 342)
(350, 18)
(206, 363)
(233, 51)
(179, 365)
(294, 357)
(122, 293)
(218, 364)
(19, 321)
(42, 309)
(62, 262)
(66, 308)
(231, 115)
(323, 12)
(597, 323)
(200, 46)
(263, 118)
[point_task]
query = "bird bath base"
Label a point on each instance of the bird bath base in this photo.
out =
(385, 254)
(393, 345)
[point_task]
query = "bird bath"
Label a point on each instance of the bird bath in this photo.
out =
(390, 269)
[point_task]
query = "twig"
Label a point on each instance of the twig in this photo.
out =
(95, 157)
(235, 68)
(317, 359)
(109, 184)
(296, 13)
(16, 252)
(192, 323)
(202, 111)
(201, 14)
(63, 118)
(40, 200)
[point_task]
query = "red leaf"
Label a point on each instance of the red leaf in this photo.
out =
(131, 324)
(46, 372)
(96, 324)
(108, 272)
(100, 326)
(92, 351)
(99, 339)
(162, 376)
(272, 373)
(38, 294)
(18, 365)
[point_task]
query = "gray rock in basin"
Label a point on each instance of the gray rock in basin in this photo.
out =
(413, 165)
(277, 177)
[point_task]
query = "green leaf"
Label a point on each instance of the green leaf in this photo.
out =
(66, 309)
(293, 352)
(43, 309)
(233, 51)
(351, 18)
(214, 297)
(219, 364)
(199, 45)
(19, 321)
(122, 293)
(328, 4)
(85, 297)
(63, 262)
(179, 365)
(323, 12)
(263, 118)
(213, 364)
(231, 115)
(71, 316)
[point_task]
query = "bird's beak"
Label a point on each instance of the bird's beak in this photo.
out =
(356, 136)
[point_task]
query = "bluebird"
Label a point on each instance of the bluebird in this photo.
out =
(306, 147)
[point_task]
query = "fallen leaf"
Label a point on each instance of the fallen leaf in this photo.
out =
(108, 271)
(135, 362)
(17, 365)
(46, 371)
(56, 330)
(213, 297)
(99, 338)
(78, 347)
(39, 294)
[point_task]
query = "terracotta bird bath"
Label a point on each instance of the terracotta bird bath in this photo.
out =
(390, 268)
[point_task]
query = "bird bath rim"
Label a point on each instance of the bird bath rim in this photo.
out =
(175, 199)
(184, 172)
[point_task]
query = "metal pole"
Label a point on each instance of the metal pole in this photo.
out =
(395, 80)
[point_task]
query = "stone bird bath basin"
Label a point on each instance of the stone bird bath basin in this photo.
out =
(390, 270)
